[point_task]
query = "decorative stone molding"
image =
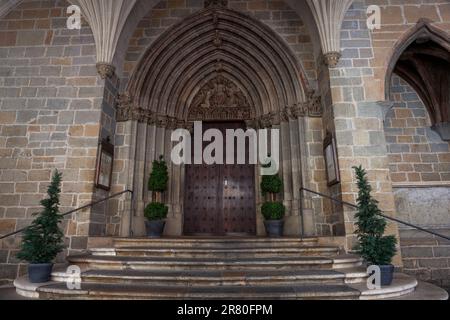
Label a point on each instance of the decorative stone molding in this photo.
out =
(331, 59)
(128, 111)
(106, 19)
(312, 108)
(329, 16)
(154, 85)
(315, 108)
(252, 124)
(215, 102)
(220, 99)
(105, 70)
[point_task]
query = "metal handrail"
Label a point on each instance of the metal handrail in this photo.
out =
(73, 211)
(382, 215)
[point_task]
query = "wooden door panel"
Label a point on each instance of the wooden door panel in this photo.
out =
(201, 200)
(220, 199)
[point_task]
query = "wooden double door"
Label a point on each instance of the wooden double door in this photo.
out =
(219, 200)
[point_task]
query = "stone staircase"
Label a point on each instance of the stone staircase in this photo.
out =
(213, 268)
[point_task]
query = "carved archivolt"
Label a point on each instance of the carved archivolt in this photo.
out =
(229, 66)
(128, 111)
(224, 42)
(216, 104)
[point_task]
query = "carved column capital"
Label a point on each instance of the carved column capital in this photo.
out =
(125, 107)
(329, 16)
(315, 108)
(128, 110)
(105, 70)
(252, 124)
(331, 59)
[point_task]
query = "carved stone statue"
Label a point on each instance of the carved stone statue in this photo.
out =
(220, 99)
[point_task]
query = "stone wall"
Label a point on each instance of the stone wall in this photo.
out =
(427, 257)
(50, 111)
(427, 207)
(358, 120)
(420, 169)
(397, 17)
(106, 217)
(416, 153)
(357, 86)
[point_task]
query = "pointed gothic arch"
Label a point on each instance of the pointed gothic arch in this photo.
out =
(211, 43)
(422, 59)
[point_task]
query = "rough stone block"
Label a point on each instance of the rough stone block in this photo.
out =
(31, 37)
(8, 271)
(78, 243)
(6, 225)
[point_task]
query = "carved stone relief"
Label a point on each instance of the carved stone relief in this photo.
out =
(220, 99)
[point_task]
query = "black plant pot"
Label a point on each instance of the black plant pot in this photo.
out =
(40, 273)
(387, 275)
(274, 228)
(155, 229)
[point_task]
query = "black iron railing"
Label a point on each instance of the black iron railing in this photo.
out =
(90, 205)
(382, 215)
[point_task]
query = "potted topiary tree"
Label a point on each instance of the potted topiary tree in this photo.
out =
(273, 210)
(374, 247)
(43, 240)
(156, 211)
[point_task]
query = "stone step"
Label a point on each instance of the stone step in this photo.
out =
(403, 285)
(89, 262)
(217, 252)
(210, 278)
(192, 242)
(97, 291)
(403, 288)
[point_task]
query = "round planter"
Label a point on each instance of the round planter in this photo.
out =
(40, 273)
(155, 229)
(387, 275)
(274, 228)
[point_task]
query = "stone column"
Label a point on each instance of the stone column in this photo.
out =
(363, 142)
(175, 195)
(124, 164)
(290, 178)
(139, 185)
(307, 219)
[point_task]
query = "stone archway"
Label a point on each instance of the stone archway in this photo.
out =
(165, 90)
(422, 59)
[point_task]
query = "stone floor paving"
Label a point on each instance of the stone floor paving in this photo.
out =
(9, 294)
